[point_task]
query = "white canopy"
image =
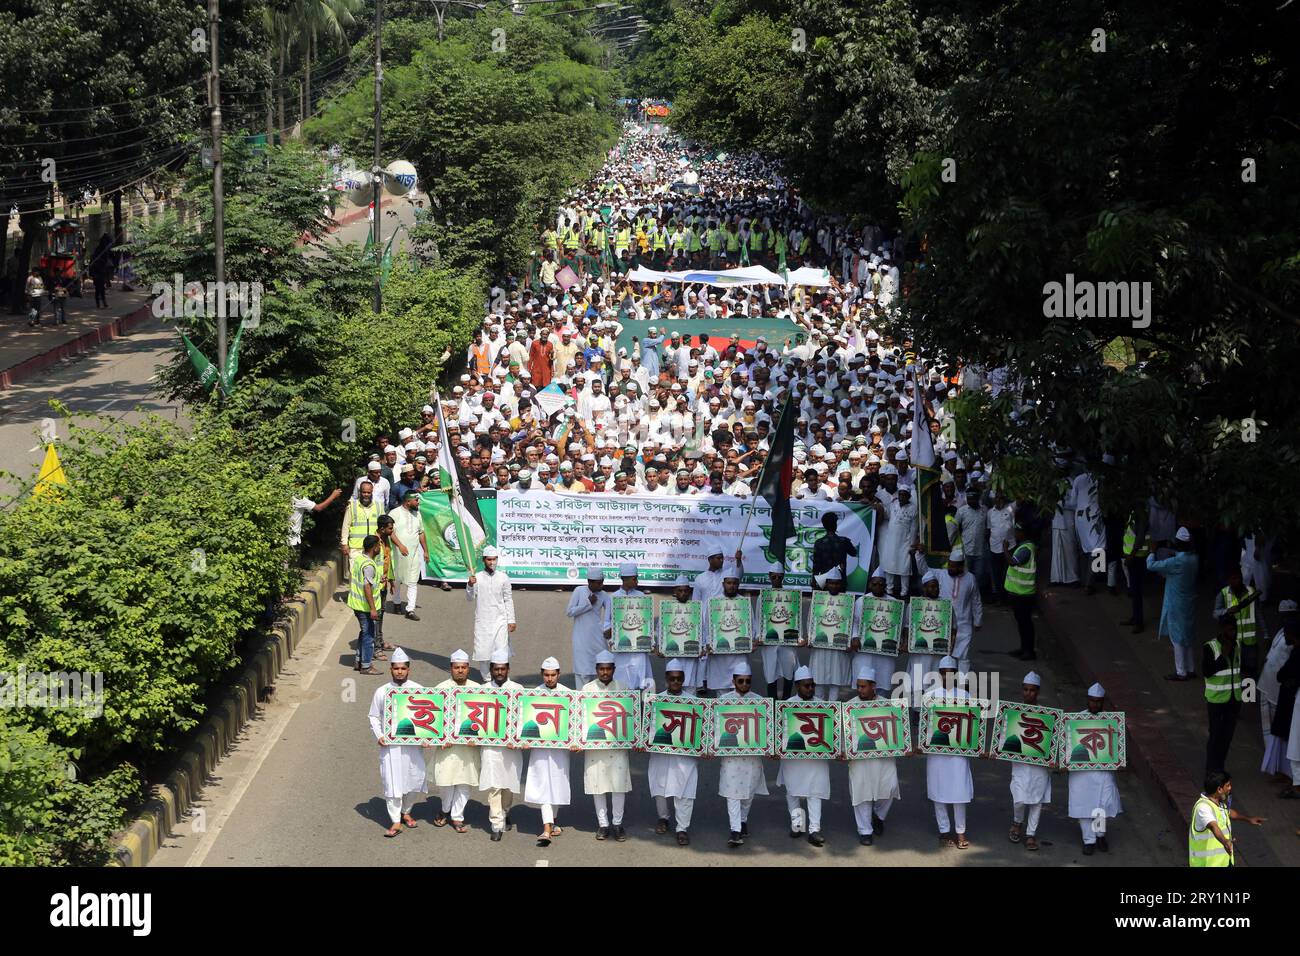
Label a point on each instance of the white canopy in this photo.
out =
(810, 275)
(749, 275)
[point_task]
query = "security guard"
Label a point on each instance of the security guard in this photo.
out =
(1221, 664)
(1137, 545)
(1021, 585)
(1209, 837)
(1237, 601)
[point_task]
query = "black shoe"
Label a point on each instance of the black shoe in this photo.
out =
(496, 836)
(816, 839)
(866, 839)
(1102, 844)
(412, 616)
(744, 828)
(795, 834)
(602, 833)
(1087, 849)
(620, 835)
(509, 823)
(877, 825)
(734, 839)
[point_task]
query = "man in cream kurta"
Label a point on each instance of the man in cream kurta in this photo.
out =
(494, 610)
(779, 660)
(959, 586)
(500, 768)
(692, 667)
(588, 608)
(674, 775)
(1031, 787)
(719, 667)
(401, 766)
(1094, 797)
(804, 779)
(830, 667)
(630, 669)
(707, 584)
(948, 780)
(873, 782)
(547, 783)
(740, 779)
(607, 771)
(408, 534)
(455, 766)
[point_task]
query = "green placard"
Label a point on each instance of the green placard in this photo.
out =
(780, 614)
(881, 631)
(1025, 733)
(632, 624)
(952, 725)
(676, 725)
(479, 717)
(541, 719)
(731, 625)
(607, 720)
(1094, 741)
(679, 628)
(929, 626)
(741, 727)
(831, 620)
(876, 728)
(414, 717)
(808, 729)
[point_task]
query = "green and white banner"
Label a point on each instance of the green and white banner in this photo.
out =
(444, 561)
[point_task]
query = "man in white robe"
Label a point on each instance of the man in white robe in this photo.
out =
(547, 783)
(1031, 787)
(948, 780)
(588, 608)
(779, 660)
(500, 768)
(707, 584)
(455, 766)
(692, 667)
(631, 669)
(1065, 542)
(882, 664)
(921, 665)
(831, 668)
(807, 782)
(873, 782)
(960, 587)
(607, 771)
(1270, 689)
(740, 779)
(401, 766)
(719, 668)
(674, 776)
(1094, 797)
(494, 610)
(900, 534)
(408, 553)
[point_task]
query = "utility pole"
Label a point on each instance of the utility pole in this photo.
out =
(218, 199)
(377, 171)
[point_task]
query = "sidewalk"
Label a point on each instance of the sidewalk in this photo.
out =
(1167, 719)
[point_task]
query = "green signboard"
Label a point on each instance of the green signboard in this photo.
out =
(541, 718)
(680, 624)
(1025, 733)
(731, 626)
(607, 720)
(632, 624)
(741, 727)
(952, 725)
(780, 616)
(808, 729)
(831, 620)
(478, 717)
(929, 626)
(676, 725)
(414, 716)
(876, 728)
(1094, 741)
(881, 631)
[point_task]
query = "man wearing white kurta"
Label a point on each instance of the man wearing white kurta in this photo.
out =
(401, 766)
(740, 779)
(707, 584)
(948, 779)
(779, 660)
(873, 782)
(408, 533)
(607, 771)
(1031, 787)
(692, 667)
(1094, 797)
(900, 534)
(674, 775)
(720, 667)
(1270, 691)
(959, 586)
(920, 665)
(455, 766)
(806, 780)
(500, 768)
(882, 664)
(1065, 542)
(494, 610)
(630, 669)
(831, 668)
(547, 783)
(588, 607)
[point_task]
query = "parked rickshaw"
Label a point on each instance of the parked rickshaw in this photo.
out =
(64, 258)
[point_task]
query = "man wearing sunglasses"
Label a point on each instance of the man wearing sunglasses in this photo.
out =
(740, 778)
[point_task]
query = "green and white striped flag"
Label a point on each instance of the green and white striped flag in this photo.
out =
(470, 533)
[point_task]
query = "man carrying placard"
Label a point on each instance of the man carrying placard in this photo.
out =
(779, 660)
(500, 768)
(607, 771)
(740, 779)
(692, 667)
(455, 766)
(401, 766)
(631, 669)
(1094, 797)
(674, 775)
(882, 665)
(1031, 786)
(829, 667)
(547, 783)
(948, 780)
(806, 780)
(720, 665)
(588, 607)
(873, 782)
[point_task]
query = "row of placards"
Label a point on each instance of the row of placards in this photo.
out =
(833, 621)
(733, 726)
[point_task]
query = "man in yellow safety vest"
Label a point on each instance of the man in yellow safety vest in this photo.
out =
(1021, 587)
(1238, 601)
(1209, 836)
(364, 598)
(1221, 665)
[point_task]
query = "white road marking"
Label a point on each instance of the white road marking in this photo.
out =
(542, 863)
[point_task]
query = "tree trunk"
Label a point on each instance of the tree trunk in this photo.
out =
(279, 85)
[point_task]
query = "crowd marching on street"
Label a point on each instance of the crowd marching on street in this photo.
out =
(556, 397)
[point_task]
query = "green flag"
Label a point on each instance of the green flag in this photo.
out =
(207, 372)
(232, 361)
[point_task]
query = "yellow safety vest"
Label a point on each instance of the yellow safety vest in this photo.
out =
(1204, 848)
(357, 586)
(1022, 578)
(362, 521)
(1225, 683)
(1247, 625)
(1130, 544)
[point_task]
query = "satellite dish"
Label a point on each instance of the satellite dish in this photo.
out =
(399, 177)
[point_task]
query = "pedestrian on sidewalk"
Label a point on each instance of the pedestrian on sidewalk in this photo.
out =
(59, 301)
(1178, 609)
(1094, 797)
(101, 270)
(1137, 545)
(1286, 721)
(1270, 690)
(363, 599)
(1221, 665)
(35, 289)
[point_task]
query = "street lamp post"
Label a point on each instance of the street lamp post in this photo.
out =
(218, 198)
(377, 171)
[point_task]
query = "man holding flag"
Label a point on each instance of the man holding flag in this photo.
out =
(929, 491)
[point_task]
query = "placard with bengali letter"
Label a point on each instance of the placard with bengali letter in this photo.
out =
(876, 728)
(780, 614)
(676, 725)
(1026, 733)
(808, 729)
(831, 621)
(881, 631)
(680, 627)
(1094, 741)
(542, 719)
(929, 626)
(415, 716)
(731, 625)
(952, 725)
(740, 727)
(606, 720)
(632, 624)
(478, 716)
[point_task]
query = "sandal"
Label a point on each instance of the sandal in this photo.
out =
(370, 672)
(661, 827)
(409, 821)
(1014, 835)
(947, 841)
(556, 831)
(440, 820)
(962, 842)
(459, 826)
(393, 831)
(1031, 843)
(683, 839)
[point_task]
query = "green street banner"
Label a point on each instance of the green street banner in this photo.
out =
(731, 628)
(1094, 741)
(808, 729)
(606, 720)
(882, 626)
(680, 626)
(929, 624)
(876, 728)
(780, 615)
(414, 716)
(952, 725)
(676, 725)
(1026, 733)
(444, 560)
(632, 624)
(541, 718)
(740, 727)
(478, 717)
(831, 620)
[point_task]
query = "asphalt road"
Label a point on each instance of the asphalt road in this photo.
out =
(302, 787)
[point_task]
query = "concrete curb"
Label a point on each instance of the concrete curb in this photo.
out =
(85, 342)
(172, 798)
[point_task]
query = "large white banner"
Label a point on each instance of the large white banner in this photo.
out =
(550, 538)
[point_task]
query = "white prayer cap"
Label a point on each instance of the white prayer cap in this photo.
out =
(865, 672)
(500, 657)
(1097, 691)
(1287, 607)
(464, 378)
(741, 668)
(390, 448)
(803, 673)
(605, 657)
(550, 664)
(595, 574)
(1033, 679)
(428, 409)
(681, 580)
(374, 466)
(947, 663)
(929, 576)
(491, 551)
(888, 469)
(834, 574)
(715, 551)
(956, 556)
(627, 570)
(398, 657)
(405, 433)
(1183, 535)
(674, 665)
(459, 657)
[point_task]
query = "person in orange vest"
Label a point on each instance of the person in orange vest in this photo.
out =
(479, 357)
